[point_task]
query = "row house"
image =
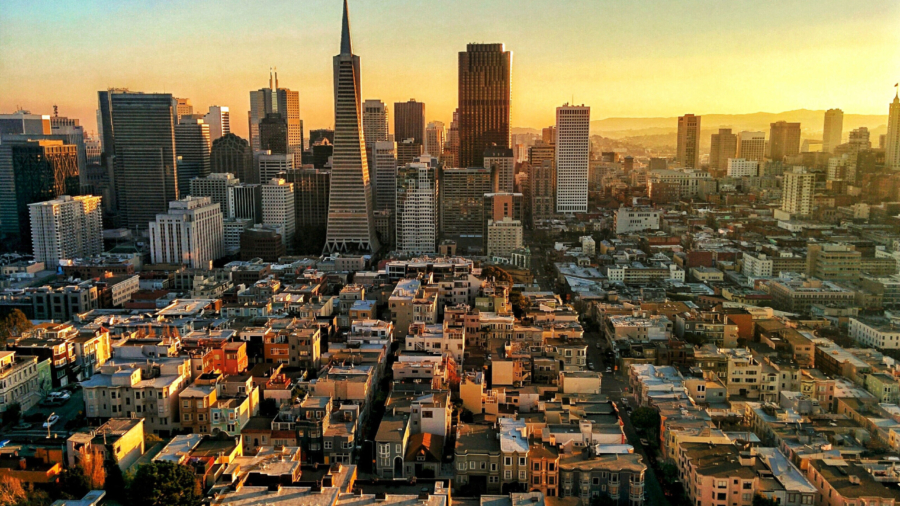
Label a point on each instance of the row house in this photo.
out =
(443, 339)
(217, 403)
(586, 474)
(148, 388)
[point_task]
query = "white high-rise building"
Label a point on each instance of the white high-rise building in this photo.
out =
(573, 154)
(234, 227)
(375, 122)
(416, 214)
(752, 146)
(269, 165)
(384, 166)
(278, 207)
(740, 167)
(66, 228)
(191, 233)
(892, 140)
(833, 130)
(215, 186)
(796, 193)
(219, 120)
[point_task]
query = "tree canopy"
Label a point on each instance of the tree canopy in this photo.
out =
(164, 484)
(492, 271)
(645, 418)
(14, 324)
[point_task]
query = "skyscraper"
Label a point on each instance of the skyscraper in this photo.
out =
(833, 129)
(451, 147)
(796, 195)
(269, 166)
(182, 107)
(231, 154)
(416, 214)
(859, 139)
(688, 150)
(219, 120)
(276, 100)
(245, 202)
(139, 135)
(462, 204)
(542, 186)
(350, 222)
(65, 228)
(484, 101)
(375, 122)
(573, 154)
(311, 188)
(384, 165)
(723, 146)
(409, 121)
(192, 148)
(407, 151)
(784, 140)
(215, 186)
(74, 134)
(752, 146)
(191, 233)
(434, 139)
(892, 140)
(501, 162)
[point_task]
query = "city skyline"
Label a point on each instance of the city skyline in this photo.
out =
(636, 69)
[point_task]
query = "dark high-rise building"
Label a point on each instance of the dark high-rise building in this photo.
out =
(784, 140)
(311, 192)
(192, 149)
(231, 154)
(139, 135)
(542, 186)
(273, 134)
(322, 151)
(321, 133)
(261, 242)
(484, 101)
(245, 202)
(723, 146)
(43, 170)
(351, 226)
(409, 121)
(74, 133)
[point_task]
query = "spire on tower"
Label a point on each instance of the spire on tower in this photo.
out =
(345, 32)
(270, 78)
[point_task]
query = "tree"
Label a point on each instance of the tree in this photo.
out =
(14, 324)
(499, 274)
(12, 413)
(645, 418)
(73, 482)
(268, 408)
(668, 472)
(11, 491)
(711, 221)
(761, 500)
(519, 304)
(164, 484)
(94, 468)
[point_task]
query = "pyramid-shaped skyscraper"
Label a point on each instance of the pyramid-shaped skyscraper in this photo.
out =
(351, 227)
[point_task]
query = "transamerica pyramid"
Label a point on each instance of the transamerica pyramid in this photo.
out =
(351, 227)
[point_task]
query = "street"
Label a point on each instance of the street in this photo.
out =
(37, 415)
(614, 385)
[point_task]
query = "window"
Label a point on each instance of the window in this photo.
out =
(327, 445)
(595, 481)
(507, 475)
(472, 465)
(494, 479)
(523, 475)
(461, 466)
(493, 466)
(537, 466)
(427, 414)
(536, 480)
(398, 448)
(507, 461)
(522, 461)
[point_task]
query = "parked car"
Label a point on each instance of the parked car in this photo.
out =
(50, 421)
(609, 369)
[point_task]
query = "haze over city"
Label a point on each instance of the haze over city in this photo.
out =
(626, 59)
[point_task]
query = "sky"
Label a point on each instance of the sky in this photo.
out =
(635, 58)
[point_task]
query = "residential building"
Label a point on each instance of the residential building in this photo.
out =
(796, 193)
(873, 332)
(416, 212)
(119, 441)
(741, 167)
(23, 380)
(66, 228)
(503, 237)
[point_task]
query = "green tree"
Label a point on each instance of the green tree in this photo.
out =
(668, 472)
(164, 484)
(12, 413)
(645, 418)
(499, 274)
(74, 483)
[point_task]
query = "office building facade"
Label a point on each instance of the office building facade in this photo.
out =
(573, 154)
(192, 233)
(65, 228)
(484, 101)
(833, 130)
(231, 154)
(192, 146)
(723, 146)
(503, 165)
(784, 140)
(278, 208)
(409, 121)
(752, 146)
(688, 143)
(416, 212)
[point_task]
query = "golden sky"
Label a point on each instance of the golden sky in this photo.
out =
(639, 58)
